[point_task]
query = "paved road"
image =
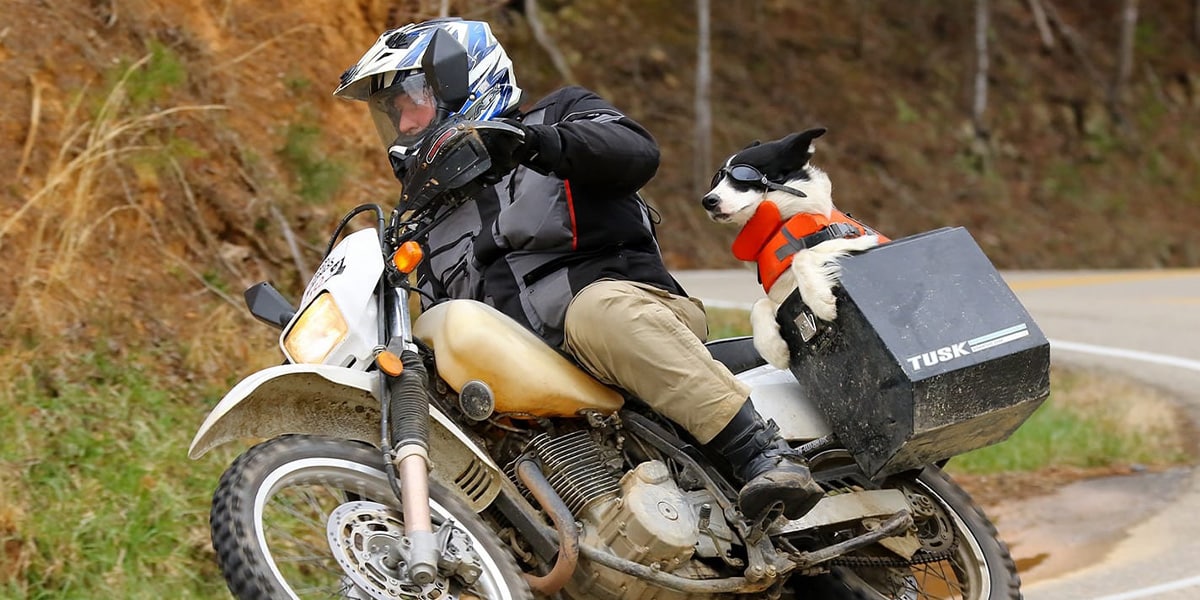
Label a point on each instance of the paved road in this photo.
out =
(1130, 537)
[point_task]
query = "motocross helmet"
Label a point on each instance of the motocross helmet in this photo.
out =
(405, 101)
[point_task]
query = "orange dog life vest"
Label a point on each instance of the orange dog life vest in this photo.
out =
(769, 241)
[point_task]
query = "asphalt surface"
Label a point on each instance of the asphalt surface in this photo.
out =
(1119, 538)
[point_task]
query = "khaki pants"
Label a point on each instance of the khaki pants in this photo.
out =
(650, 343)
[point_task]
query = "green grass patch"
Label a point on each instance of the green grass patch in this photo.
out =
(726, 323)
(1066, 436)
(151, 79)
(1090, 420)
(100, 499)
(317, 177)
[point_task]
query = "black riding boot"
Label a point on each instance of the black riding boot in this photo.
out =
(769, 469)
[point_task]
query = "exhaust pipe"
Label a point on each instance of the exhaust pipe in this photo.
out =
(564, 523)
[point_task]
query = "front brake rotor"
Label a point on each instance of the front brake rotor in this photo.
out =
(367, 540)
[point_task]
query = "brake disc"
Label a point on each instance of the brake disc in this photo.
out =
(367, 539)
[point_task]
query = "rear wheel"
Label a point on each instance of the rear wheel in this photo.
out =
(962, 556)
(310, 517)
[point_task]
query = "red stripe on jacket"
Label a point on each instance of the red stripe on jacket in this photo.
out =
(571, 209)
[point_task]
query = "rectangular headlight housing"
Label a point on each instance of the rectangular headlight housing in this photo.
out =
(318, 331)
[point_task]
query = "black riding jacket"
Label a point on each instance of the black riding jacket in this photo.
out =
(569, 216)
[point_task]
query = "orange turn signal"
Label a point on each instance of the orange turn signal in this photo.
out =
(407, 257)
(389, 363)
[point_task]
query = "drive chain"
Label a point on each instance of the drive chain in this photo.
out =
(919, 558)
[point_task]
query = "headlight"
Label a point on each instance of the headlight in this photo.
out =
(317, 332)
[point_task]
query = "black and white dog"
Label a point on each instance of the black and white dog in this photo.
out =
(790, 227)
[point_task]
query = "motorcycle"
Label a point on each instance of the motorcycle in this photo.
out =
(456, 455)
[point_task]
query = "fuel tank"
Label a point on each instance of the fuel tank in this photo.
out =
(473, 341)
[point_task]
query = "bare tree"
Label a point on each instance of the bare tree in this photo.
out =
(1196, 22)
(1120, 83)
(703, 154)
(979, 106)
(1074, 43)
(1043, 26)
(547, 42)
(862, 14)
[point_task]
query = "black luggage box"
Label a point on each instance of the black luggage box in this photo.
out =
(931, 354)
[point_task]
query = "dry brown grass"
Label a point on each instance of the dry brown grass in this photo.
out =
(1140, 410)
(83, 208)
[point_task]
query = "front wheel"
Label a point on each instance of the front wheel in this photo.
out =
(966, 558)
(271, 529)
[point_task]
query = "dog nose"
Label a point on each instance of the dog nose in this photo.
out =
(710, 201)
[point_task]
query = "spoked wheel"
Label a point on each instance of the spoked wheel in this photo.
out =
(309, 517)
(961, 556)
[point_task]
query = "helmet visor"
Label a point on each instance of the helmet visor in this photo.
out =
(403, 111)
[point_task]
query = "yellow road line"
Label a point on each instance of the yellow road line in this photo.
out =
(1176, 300)
(1100, 279)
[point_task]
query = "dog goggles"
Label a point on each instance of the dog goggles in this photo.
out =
(748, 174)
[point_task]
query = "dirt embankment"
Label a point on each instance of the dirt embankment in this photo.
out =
(162, 151)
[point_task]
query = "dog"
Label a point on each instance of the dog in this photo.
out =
(789, 226)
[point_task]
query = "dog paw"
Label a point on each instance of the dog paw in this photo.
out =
(824, 308)
(816, 275)
(817, 294)
(773, 349)
(767, 341)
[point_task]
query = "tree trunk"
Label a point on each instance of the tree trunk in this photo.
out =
(703, 154)
(1196, 22)
(862, 14)
(543, 38)
(1043, 26)
(1075, 44)
(1120, 84)
(979, 106)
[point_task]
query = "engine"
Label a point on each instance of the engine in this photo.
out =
(642, 516)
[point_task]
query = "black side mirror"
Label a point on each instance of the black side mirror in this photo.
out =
(445, 67)
(268, 305)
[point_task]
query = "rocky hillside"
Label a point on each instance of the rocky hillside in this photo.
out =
(164, 154)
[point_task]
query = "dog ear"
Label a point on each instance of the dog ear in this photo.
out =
(799, 145)
(814, 133)
(808, 136)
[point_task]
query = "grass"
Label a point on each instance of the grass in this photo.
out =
(317, 177)
(1090, 420)
(155, 77)
(727, 323)
(70, 212)
(99, 499)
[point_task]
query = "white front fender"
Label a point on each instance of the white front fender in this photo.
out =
(340, 403)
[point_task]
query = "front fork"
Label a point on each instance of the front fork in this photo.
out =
(405, 434)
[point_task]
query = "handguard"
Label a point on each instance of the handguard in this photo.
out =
(460, 157)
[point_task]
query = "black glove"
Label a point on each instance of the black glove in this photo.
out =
(508, 148)
(529, 145)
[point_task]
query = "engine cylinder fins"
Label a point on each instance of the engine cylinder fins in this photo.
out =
(574, 465)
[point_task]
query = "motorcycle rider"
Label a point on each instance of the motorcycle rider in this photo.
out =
(565, 245)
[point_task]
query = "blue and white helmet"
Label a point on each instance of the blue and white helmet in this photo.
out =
(390, 79)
